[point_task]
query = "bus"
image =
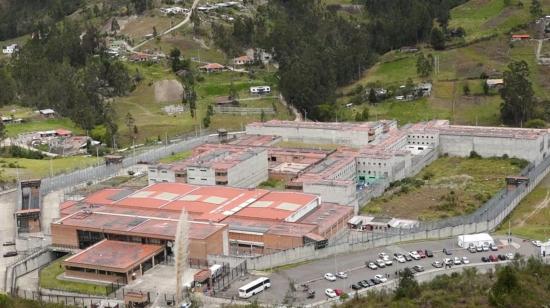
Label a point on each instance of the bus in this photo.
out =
(254, 287)
(260, 90)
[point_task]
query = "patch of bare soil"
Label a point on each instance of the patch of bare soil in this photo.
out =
(168, 91)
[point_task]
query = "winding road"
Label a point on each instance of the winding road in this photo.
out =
(181, 24)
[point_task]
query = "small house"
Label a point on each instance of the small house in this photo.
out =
(260, 90)
(47, 113)
(520, 37)
(243, 60)
(139, 57)
(6, 120)
(494, 83)
(212, 68)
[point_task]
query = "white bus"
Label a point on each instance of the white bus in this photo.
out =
(260, 90)
(254, 287)
(216, 270)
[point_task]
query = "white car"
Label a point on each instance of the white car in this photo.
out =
(485, 247)
(330, 293)
(341, 275)
(510, 256)
(381, 278)
(414, 255)
(400, 259)
(383, 255)
(457, 261)
(330, 277)
(537, 243)
(447, 261)
(380, 263)
(465, 260)
(387, 261)
(372, 266)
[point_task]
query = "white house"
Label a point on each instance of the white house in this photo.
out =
(10, 49)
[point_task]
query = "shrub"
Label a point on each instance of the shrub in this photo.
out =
(473, 154)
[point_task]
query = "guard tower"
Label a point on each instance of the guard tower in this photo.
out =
(28, 208)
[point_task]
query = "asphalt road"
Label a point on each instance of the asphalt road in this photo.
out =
(354, 265)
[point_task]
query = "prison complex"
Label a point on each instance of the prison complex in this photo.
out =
(217, 184)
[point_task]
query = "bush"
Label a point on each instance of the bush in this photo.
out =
(473, 154)
(428, 175)
(19, 152)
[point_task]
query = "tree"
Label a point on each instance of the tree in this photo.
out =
(7, 87)
(155, 33)
(365, 114)
(437, 39)
(535, 9)
(196, 20)
(372, 96)
(506, 288)
(175, 60)
(424, 66)
(206, 121)
(517, 94)
(2, 131)
(408, 286)
(466, 89)
(114, 25)
(262, 116)
(485, 86)
(130, 123)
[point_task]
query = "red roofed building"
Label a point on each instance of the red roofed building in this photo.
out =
(243, 60)
(520, 37)
(212, 67)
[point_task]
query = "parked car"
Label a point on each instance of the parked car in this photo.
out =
(372, 266)
(457, 261)
(388, 262)
(364, 283)
(418, 268)
(374, 281)
(493, 258)
(414, 255)
(407, 258)
(338, 292)
(501, 257)
(10, 254)
(383, 255)
(341, 275)
(537, 243)
(400, 258)
(355, 287)
(493, 247)
(448, 261)
(437, 264)
(510, 256)
(421, 253)
(380, 278)
(465, 260)
(429, 253)
(8, 244)
(330, 293)
(479, 248)
(484, 259)
(472, 249)
(485, 247)
(380, 263)
(447, 252)
(330, 277)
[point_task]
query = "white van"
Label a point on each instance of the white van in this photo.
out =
(216, 270)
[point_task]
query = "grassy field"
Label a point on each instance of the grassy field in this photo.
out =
(450, 186)
(23, 168)
(152, 122)
(457, 67)
(176, 157)
(531, 218)
(303, 145)
(49, 280)
(481, 18)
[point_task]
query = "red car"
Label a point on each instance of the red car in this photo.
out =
(338, 292)
(493, 258)
(421, 254)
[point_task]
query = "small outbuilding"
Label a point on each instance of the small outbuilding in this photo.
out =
(468, 240)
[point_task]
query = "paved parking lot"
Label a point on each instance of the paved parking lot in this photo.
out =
(354, 264)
